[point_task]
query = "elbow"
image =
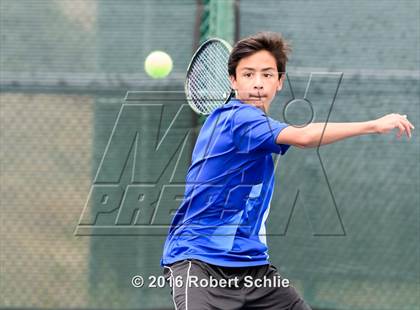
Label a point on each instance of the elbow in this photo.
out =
(298, 137)
(300, 146)
(304, 141)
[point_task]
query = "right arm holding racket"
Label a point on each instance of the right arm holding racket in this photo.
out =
(316, 134)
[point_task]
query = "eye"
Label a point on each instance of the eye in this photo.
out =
(247, 74)
(268, 75)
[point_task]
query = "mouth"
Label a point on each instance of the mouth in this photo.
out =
(257, 96)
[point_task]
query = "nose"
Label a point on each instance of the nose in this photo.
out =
(258, 85)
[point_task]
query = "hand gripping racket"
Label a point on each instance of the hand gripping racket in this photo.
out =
(207, 84)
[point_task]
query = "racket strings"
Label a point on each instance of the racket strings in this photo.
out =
(208, 84)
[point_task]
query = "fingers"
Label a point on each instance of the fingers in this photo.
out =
(404, 117)
(395, 120)
(404, 125)
(401, 129)
(408, 129)
(408, 126)
(411, 125)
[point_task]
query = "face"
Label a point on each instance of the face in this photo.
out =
(257, 80)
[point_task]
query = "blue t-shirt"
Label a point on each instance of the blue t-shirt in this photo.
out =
(229, 186)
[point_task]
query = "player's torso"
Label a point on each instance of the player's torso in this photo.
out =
(226, 198)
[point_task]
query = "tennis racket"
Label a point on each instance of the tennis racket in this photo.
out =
(207, 84)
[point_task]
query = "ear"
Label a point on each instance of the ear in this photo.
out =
(233, 82)
(280, 86)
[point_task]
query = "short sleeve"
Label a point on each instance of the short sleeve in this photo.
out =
(254, 131)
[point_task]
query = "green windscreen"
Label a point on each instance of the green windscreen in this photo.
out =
(66, 68)
(94, 152)
(345, 218)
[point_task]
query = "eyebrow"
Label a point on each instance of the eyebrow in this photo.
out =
(252, 69)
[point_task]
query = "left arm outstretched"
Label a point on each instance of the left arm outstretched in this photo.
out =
(310, 135)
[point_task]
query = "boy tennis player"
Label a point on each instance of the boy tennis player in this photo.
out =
(215, 256)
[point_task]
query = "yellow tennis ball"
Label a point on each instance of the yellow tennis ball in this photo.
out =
(158, 64)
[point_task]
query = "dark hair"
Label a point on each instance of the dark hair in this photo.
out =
(269, 41)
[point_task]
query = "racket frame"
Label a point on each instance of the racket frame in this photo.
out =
(208, 41)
